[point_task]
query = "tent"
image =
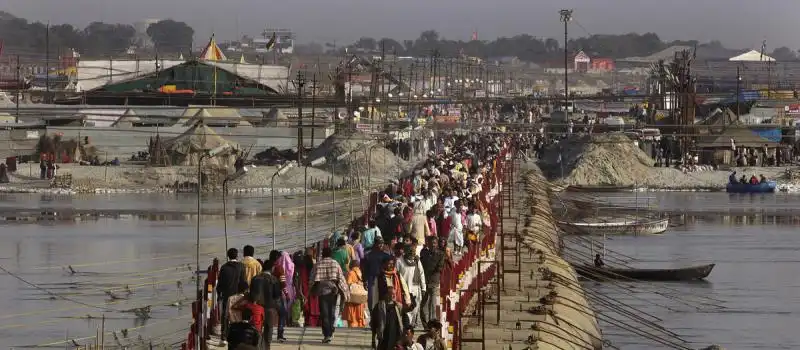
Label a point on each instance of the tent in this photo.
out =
(212, 52)
(213, 116)
(752, 56)
(127, 119)
(743, 136)
(187, 148)
(275, 117)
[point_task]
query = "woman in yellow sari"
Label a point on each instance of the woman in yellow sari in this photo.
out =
(354, 313)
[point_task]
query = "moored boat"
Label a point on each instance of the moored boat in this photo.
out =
(601, 188)
(692, 273)
(763, 187)
(634, 227)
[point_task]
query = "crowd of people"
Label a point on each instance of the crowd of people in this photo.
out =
(385, 272)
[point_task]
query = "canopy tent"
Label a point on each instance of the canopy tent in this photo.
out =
(187, 148)
(752, 56)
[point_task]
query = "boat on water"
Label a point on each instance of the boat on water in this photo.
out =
(622, 227)
(578, 188)
(692, 273)
(762, 187)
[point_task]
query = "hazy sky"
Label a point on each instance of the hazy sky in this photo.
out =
(737, 23)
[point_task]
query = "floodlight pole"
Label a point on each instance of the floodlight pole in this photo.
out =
(305, 207)
(566, 16)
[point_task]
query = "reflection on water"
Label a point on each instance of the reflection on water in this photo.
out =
(739, 220)
(706, 202)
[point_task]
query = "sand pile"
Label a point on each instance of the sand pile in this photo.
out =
(376, 159)
(605, 159)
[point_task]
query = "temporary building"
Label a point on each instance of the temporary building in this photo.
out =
(187, 148)
(752, 56)
(209, 72)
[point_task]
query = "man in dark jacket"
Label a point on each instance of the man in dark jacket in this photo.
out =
(231, 275)
(371, 268)
(267, 286)
(432, 259)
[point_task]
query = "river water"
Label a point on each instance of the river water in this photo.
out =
(142, 259)
(749, 301)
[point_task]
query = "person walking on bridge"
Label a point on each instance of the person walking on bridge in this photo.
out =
(329, 284)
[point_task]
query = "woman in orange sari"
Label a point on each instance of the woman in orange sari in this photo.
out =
(354, 313)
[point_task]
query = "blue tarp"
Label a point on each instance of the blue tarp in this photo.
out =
(773, 135)
(744, 97)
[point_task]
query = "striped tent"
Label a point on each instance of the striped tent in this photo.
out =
(212, 52)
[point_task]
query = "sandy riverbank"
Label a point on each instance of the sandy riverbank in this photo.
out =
(371, 164)
(613, 160)
(144, 179)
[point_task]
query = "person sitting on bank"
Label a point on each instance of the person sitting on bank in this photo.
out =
(763, 179)
(598, 261)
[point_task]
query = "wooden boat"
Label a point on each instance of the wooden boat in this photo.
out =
(764, 187)
(634, 227)
(692, 273)
(578, 188)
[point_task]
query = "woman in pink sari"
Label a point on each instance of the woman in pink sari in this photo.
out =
(284, 271)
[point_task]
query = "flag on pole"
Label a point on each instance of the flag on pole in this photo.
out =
(1, 47)
(474, 35)
(272, 41)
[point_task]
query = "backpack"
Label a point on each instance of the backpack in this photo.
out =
(368, 238)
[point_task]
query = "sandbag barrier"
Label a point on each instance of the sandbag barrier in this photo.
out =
(569, 321)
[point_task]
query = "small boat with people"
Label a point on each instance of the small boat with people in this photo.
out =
(603, 273)
(620, 227)
(753, 185)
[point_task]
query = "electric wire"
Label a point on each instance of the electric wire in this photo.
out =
(105, 309)
(83, 339)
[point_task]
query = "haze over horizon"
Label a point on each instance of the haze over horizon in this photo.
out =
(736, 23)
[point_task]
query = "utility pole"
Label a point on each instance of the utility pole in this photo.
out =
(300, 84)
(350, 111)
(47, 63)
(19, 91)
(738, 90)
(313, 106)
(769, 69)
(566, 16)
